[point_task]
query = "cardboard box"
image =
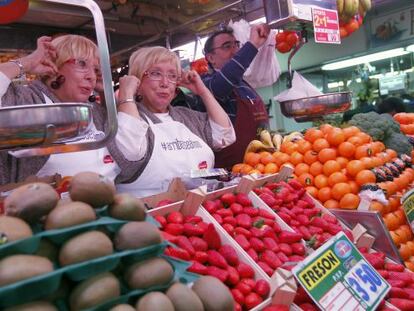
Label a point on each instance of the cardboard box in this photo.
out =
(176, 193)
(361, 237)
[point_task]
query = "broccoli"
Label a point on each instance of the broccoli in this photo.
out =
(399, 143)
(382, 127)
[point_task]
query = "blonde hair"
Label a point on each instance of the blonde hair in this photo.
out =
(74, 46)
(144, 58)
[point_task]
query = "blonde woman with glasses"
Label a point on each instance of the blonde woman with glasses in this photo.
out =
(172, 140)
(68, 70)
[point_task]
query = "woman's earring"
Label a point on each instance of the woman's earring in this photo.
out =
(138, 98)
(92, 98)
(58, 82)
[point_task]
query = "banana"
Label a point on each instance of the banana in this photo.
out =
(351, 7)
(366, 4)
(293, 137)
(257, 145)
(266, 138)
(340, 6)
(361, 9)
(277, 140)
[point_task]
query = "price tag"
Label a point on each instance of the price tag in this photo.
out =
(408, 205)
(326, 26)
(338, 277)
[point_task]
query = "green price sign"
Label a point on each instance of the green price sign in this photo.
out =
(338, 277)
(408, 205)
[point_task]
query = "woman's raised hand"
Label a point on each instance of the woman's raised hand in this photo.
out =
(41, 61)
(192, 81)
(128, 88)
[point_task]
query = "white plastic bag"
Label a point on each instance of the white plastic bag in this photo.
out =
(300, 88)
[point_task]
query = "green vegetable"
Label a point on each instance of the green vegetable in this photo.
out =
(382, 127)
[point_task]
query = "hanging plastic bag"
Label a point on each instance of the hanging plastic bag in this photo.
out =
(241, 30)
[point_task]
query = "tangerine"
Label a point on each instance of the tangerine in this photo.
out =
(320, 181)
(331, 203)
(326, 154)
(335, 137)
(313, 134)
(349, 201)
(319, 144)
(316, 168)
(346, 149)
(339, 190)
(365, 177)
(310, 157)
(301, 168)
(331, 167)
(337, 177)
(354, 167)
(324, 194)
(252, 158)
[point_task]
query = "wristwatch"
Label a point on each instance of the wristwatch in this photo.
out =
(19, 64)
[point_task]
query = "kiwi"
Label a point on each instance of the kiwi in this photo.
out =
(149, 272)
(214, 295)
(136, 234)
(127, 207)
(34, 306)
(12, 229)
(31, 202)
(85, 246)
(20, 267)
(94, 291)
(70, 214)
(123, 307)
(92, 188)
(47, 249)
(183, 298)
(154, 301)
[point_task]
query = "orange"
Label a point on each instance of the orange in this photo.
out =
(288, 147)
(303, 146)
(350, 131)
(396, 238)
(252, 158)
(376, 161)
(393, 203)
(336, 178)
(356, 141)
(320, 181)
(306, 179)
(349, 201)
(313, 191)
(405, 251)
(331, 167)
(316, 168)
(281, 158)
(365, 177)
(343, 162)
(254, 171)
(392, 221)
(266, 157)
(346, 149)
(377, 206)
(354, 186)
(365, 138)
(362, 151)
(326, 128)
(319, 144)
(301, 168)
(392, 153)
(310, 157)
(377, 147)
(354, 167)
(324, 194)
(409, 265)
(313, 134)
(327, 154)
(296, 158)
(368, 163)
(331, 204)
(271, 168)
(339, 190)
(237, 168)
(260, 167)
(335, 137)
(246, 169)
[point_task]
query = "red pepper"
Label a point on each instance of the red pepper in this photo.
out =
(289, 237)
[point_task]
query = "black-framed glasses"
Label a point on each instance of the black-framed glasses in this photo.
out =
(228, 45)
(156, 75)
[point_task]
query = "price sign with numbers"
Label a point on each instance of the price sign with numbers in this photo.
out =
(408, 205)
(338, 277)
(326, 26)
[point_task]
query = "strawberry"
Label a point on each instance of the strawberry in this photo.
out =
(383, 273)
(295, 258)
(229, 228)
(305, 232)
(225, 212)
(161, 220)
(174, 229)
(262, 288)
(192, 219)
(403, 276)
(179, 253)
(302, 204)
(252, 300)
(333, 229)
(303, 219)
(268, 199)
(244, 221)
(265, 267)
(308, 307)
(233, 277)
(210, 206)
(277, 307)
(237, 307)
(271, 259)
(244, 288)
(330, 218)
(243, 199)
(297, 210)
(212, 237)
(276, 228)
(295, 184)
(228, 199)
(394, 267)
(218, 218)
(243, 231)
(289, 237)
(410, 292)
(221, 274)
(236, 208)
(315, 230)
(256, 232)
(265, 214)
(349, 234)
(311, 212)
(298, 249)
(269, 232)
(198, 268)
(397, 283)
(245, 271)
(249, 281)
(252, 253)
(251, 211)
(270, 244)
(198, 244)
(286, 218)
(229, 254)
(375, 261)
(294, 223)
(185, 243)
(193, 229)
(237, 295)
(242, 241)
(200, 256)
(257, 244)
(216, 259)
(230, 220)
(169, 237)
(319, 222)
(402, 304)
(175, 218)
(164, 202)
(396, 292)
(282, 256)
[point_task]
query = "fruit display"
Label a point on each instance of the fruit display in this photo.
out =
(351, 14)
(286, 40)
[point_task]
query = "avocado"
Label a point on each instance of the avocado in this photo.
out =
(85, 246)
(20, 267)
(183, 298)
(137, 234)
(214, 295)
(92, 188)
(70, 214)
(149, 272)
(154, 301)
(123, 307)
(13, 228)
(31, 202)
(127, 207)
(94, 291)
(34, 306)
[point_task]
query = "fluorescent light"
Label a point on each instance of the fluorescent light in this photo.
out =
(365, 59)
(258, 21)
(410, 48)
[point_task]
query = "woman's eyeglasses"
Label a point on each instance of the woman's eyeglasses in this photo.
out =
(83, 66)
(156, 75)
(228, 45)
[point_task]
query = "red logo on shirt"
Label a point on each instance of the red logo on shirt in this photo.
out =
(202, 165)
(108, 159)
